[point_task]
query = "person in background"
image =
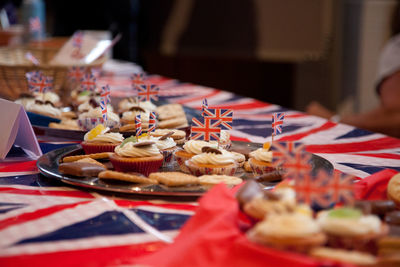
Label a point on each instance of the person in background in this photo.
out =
(386, 117)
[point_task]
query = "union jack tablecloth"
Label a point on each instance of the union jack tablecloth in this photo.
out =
(46, 223)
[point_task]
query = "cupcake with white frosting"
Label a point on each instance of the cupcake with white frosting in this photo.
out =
(212, 161)
(91, 118)
(137, 156)
(166, 145)
(44, 108)
(100, 139)
(190, 149)
(260, 160)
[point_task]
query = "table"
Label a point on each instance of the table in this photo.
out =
(43, 223)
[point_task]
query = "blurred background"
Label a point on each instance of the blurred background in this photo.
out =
(287, 52)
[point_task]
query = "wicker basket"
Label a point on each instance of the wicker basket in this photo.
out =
(14, 66)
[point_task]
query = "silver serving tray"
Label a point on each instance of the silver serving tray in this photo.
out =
(49, 162)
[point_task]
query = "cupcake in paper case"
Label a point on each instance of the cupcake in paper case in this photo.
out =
(260, 161)
(128, 117)
(289, 231)
(349, 228)
(100, 139)
(88, 120)
(45, 108)
(128, 103)
(166, 145)
(212, 161)
(190, 149)
(131, 156)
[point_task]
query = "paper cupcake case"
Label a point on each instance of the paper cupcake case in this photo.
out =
(169, 157)
(259, 169)
(181, 162)
(198, 170)
(143, 167)
(91, 148)
(87, 124)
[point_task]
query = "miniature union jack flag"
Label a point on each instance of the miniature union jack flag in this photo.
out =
(88, 82)
(35, 25)
(223, 117)
(105, 92)
(39, 83)
(147, 92)
(204, 105)
(283, 151)
(138, 125)
(77, 39)
(137, 78)
(340, 187)
(29, 56)
(76, 73)
(103, 106)
(152, 122)
(277, 122)
(204, 129)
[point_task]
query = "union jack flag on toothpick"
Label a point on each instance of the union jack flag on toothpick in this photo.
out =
(286, 151)
(76, 74)
(147, 92)
(138, 125)
(277, 122)
(152, 122)
(77, 39)
(204, 129)
(88, 82)
(39, 83)
(137, 78)
(223, 117)
(105, 92)
(29, 56)
(103, 106)
(204, 105)
(35, 25)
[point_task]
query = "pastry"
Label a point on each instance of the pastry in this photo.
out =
(178, 122)
(250, 190)
(212, 161)
(190, 149)
(81, 169)
(170, 111)
(167, 147)
(126, 177)
(261, 160)
(44, 108)
(99, 139)
(341, 255)
(349, 228)
(103, 155)
(377, 207)
(217, 179)
(393, 189)
(91, 118)
(132, 156)
(179, 136)
(289, 231)
(174, 178)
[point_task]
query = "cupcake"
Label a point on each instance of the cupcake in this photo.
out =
(288, 231)
(190, 149)
(99, 139)
(179, 136)
(44, 108)
(212, 161)
(50, 97)
(224, 140)
(128, 103)
(166, 145)
(131, 156)
(93, 117)
(128, 117)
(349, 228)
(260, 161)
(25, 100)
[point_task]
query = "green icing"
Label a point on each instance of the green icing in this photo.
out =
(83, 93)
(346, 213)
(127, 140)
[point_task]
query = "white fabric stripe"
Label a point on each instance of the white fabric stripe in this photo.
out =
(84, 243)
(6, 174)
(163, 210)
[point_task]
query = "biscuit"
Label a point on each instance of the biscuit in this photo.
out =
(177, 134)
(354, 257)
(393, 189)
(103, 155)
(127, 128)
(63, 126)
(90, 160)
(178, 122)
(217, 179)
(81, 169)
(126, 177)
(174, 178)
(170, 111)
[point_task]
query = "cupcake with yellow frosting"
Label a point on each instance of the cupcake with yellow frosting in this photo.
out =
(260, 160)
(212, 161)
(100, 139)
(137, 156)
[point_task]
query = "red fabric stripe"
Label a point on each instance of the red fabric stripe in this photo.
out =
(186, 100)
(37, 214)
(379, 155)
(381, 143)
(131, 203)
(249, 105)
(235, 138)
(299, 136)
(110, 256)
(60, 193)
(18, 166)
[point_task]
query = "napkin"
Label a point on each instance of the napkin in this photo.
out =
(374, 186)
(212, 238)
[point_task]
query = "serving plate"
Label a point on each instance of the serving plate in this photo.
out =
(49, 162)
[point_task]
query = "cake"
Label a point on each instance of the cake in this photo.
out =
(100, 139)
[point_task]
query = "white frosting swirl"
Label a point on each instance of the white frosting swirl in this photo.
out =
(262, 154)
(96, 113)
(166, 143)
(45, 109)
(287, 225)
(25, 102)
(349, 226)
(213, 158)
(108, 138)
(195, 146)
(131, 115)
(128, 150)
(126, 104)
